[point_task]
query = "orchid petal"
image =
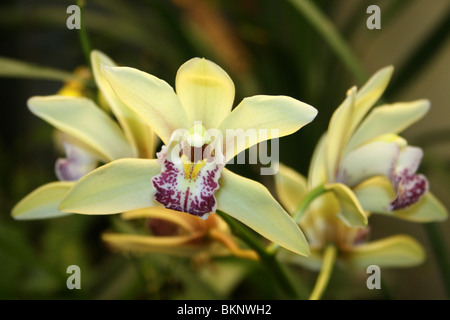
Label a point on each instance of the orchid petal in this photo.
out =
(391, 252)
(317, 172)
(174, 245)
(351, 212)
(81, 118)
(376, 194)
(138, 133)
(116, 187)
(369, 94)
(290, 186)
(377, 158)
(77, 163)
(392, 118)
(43, 202)
(151, 98)
(205, 91)
(261, 118)
(251, 203)
(312, 262)
(338, 133)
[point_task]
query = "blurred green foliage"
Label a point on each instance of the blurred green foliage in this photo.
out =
(267, 47)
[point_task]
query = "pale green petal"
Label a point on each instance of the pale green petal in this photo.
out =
(290, 186)
(317, 172)
(151, 98)
(391, 118)
(205, 91)
(396, 251)
(116, 187)
(260, 118)
(43, 202)
(338, 134)
(173, 245)
(372, 159)
(370, 93)
(81, 118)
(351, 212)
(138, 133)
(376, 194)
(251, 203)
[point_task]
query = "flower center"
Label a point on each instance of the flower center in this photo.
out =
(190, 172)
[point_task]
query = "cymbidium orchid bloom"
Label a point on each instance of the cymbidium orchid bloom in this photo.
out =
(89, 136)
(179, 234)
(200, 132)
(371, 170)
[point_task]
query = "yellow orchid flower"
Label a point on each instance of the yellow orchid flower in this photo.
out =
(179, 234)
(200, 133)
(359, 167)
(89, 136)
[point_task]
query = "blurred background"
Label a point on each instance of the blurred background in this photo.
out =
(310, 50)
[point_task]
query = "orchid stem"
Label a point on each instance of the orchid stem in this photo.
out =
(440, 251)
(329, 258)
(82, 34)
(306, 201)
(269, 259)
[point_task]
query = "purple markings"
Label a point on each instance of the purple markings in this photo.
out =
(410, 188)
(176, 192)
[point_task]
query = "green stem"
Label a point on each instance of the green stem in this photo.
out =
(82, 34)
(306, 201)
(269, 260)
(440, 251)
(331, 35)
(329, 258)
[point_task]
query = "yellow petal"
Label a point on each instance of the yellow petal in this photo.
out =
(351, 212)
(391, 118)
(116, 187)
(290, 186)
(205, 91)
(43, 202)
(338, 134)
(391, 252)
(251, 203)
(317, 172)
(151, 98)
(261, 118)
(174, 245)
(81, 118)
(187, 221)
(369, 94)
(376, 194)
(138, 133)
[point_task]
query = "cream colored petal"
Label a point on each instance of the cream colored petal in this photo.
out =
(370, 93)
(43, 202)
(252, 204)
(174, 245)
(317, 172)
(395, 251)
(81, 118)
(338, 134)
(151, 98)
(392, 118)
(261, 118)
(376, 194)
(205, 91)
(116, 187)
(351, 212)
(372, 159)
(138, 133)
(290, 186)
